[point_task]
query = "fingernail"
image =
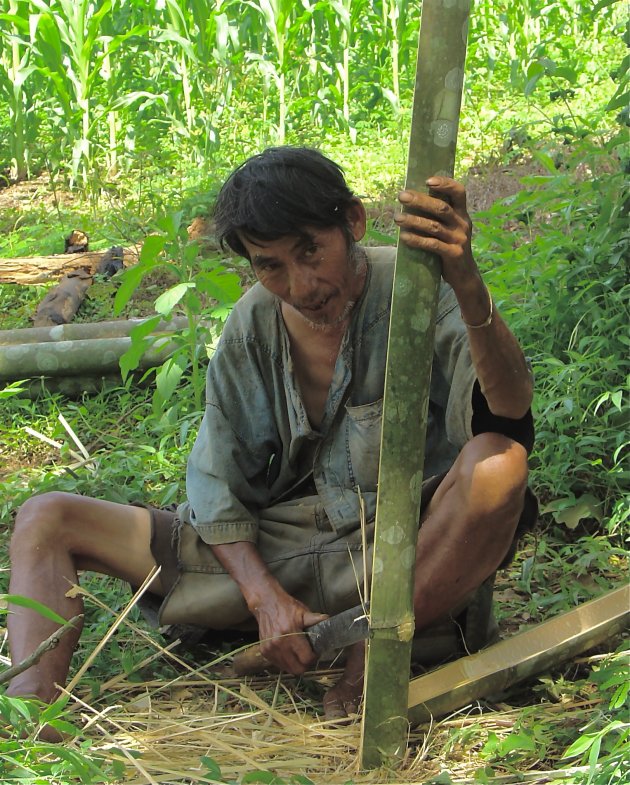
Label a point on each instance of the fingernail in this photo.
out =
(433, 181)
(405, 196)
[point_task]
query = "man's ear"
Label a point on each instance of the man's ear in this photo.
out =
(356, 219)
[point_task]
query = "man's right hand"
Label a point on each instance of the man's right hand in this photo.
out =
(281, 618)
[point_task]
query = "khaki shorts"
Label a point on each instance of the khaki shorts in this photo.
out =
(314, 564)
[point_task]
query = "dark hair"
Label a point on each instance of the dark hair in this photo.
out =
(280, 192)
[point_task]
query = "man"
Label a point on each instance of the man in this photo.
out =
(270, 534)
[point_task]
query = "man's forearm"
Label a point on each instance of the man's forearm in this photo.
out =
(499, 362)
(280, 616)
(245, 565)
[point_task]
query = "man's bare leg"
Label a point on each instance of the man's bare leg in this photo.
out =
(57, 534)
(466, 531)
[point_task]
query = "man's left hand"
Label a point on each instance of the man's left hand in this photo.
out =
(438, 222)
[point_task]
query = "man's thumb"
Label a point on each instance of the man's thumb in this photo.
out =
(311, 618)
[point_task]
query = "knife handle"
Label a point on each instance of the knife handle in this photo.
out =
(334, 632)
(250, 661)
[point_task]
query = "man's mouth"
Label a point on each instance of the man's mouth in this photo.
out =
(315, 306)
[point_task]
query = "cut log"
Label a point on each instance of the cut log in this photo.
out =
(60, 305)
(40, 269)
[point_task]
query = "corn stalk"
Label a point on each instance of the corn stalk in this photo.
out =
(16, 70)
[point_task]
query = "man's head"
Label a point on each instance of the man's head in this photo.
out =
(279, 193)
(290, 212)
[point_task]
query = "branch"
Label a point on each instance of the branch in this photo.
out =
(50, 643)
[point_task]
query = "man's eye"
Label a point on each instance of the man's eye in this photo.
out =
(267, 267)
(311, 250)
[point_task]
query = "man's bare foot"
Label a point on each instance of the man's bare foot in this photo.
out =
(344, 698)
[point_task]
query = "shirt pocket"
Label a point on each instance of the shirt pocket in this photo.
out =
(363, 443)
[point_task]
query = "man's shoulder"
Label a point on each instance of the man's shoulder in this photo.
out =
(254, 309)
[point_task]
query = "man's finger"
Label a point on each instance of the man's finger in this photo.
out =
(313, 618)
(451, 191)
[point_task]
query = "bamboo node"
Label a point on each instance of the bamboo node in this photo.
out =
(403, 631)
(406, 630)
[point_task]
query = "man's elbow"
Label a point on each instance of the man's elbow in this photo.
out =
(513, 404)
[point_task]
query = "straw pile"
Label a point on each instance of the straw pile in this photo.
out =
(165, 731)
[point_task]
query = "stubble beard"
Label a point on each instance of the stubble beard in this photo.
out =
(357, 260)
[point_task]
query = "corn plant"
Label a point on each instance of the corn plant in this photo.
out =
(283, 26)
(70, 52)
(16, 72)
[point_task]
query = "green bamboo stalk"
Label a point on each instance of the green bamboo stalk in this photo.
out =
(95, 356)
(84, 331)
(437, 100)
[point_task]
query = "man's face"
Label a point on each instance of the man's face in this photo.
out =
(315, 273)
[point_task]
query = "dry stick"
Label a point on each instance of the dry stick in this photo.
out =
(51, 642)
(147, 582)
(52, 442)
(73, 436)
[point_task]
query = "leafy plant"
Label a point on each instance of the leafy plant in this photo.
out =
(604, 744)
(204, 290)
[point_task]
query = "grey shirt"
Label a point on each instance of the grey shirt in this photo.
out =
(256, 446)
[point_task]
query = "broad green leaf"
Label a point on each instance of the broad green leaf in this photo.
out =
(572, 511)
(34, 605)
(169, 299)
(129, 281)
(152, 248)
(212, 768)
(130, 359)
(52, 711)
(168, 377)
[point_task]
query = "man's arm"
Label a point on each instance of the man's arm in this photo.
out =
(443, 226)
(281, 618)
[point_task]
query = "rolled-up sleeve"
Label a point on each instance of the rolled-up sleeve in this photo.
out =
(227, 471)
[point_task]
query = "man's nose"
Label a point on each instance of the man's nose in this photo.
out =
(301, 283)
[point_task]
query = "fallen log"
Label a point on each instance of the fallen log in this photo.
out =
(41, 269)
(61, 303)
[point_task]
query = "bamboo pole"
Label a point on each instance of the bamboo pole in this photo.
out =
(437, 100)
(495, 669)
(96, 356)
(115, 328)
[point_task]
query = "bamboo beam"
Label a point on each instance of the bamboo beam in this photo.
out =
(93, 357)
(115, 328)
(437, 99)
(493, 670)
(41, 269)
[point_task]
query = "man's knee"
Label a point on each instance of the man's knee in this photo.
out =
(492, 470)
(42, 520)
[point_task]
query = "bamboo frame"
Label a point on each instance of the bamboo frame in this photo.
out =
(437, 99)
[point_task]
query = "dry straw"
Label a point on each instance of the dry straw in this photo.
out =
(162, 729)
